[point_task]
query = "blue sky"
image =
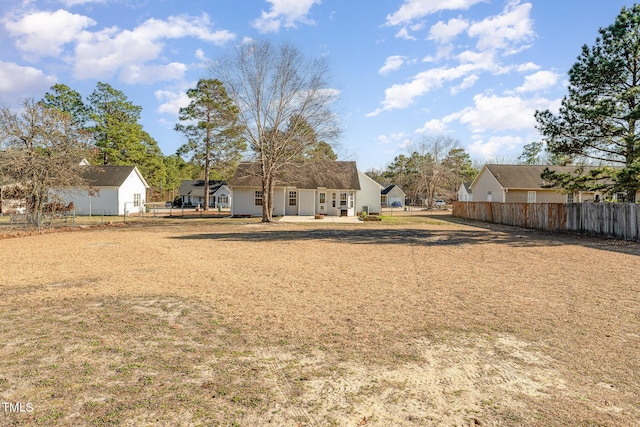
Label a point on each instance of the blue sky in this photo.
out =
(472, 70)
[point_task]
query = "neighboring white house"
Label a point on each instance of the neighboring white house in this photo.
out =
(464, 192)
(113, 190)
(393, 196)
(191, 193)
(307, 188)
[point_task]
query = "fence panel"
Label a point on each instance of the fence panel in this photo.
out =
(619, 220)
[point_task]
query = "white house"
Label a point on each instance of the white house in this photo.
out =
(307, 188)
(191, 193)
(113, 190)
(393, 196)
(464, 192)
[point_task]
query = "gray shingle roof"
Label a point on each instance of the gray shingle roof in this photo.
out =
(328, 174)
(106, 176)
(526, 176)
(195, 187)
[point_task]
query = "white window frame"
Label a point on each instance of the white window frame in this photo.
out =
(137, 200)
(293, 198)
(531, 196)
(258, 198)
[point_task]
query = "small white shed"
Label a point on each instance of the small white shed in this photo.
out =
(113, 190)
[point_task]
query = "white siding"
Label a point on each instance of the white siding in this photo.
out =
(306, 202)
(368, 195)
(244, 202)
(132, 185)
(103, 202)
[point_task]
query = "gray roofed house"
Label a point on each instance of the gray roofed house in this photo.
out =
(393, 196)
(191, 193)
(307, 188)
(318, 174)
(523, 184)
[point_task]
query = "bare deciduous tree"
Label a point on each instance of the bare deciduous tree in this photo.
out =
(282, 96)
(40, 150)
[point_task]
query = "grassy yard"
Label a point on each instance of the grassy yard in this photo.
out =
(416, 320)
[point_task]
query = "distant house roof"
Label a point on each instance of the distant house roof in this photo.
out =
(109, 176)
(526, 176)
(467, 186)
(336, 175)
(195, 187)
(389, 188)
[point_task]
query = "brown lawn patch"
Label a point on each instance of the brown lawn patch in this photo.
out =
(412, 321)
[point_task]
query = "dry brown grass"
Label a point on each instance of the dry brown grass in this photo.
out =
(411, 321)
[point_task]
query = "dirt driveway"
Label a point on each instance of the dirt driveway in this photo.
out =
(412, 321)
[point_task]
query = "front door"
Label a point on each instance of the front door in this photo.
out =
(322, 203)
(291, 205)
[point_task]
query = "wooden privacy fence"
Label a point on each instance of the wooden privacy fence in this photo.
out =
(619, 220)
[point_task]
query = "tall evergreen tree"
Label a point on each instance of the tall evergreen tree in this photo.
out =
(114, 124)
(598, 119)
(212, 131)
(68, 101)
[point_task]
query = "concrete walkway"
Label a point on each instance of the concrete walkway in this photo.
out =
(326, 219)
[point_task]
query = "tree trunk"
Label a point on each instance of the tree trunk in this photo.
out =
(267, 196)
(207, 169)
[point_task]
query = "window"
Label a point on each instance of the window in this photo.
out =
(257, 198)
(333, 203)
(343, 199)
(223, 198)
(531, 196)
(137, 198)
(570, 198)
(293, 198)
(323, 197)
(489, 196)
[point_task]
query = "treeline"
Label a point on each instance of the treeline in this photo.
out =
(435, 169)
(113, 123)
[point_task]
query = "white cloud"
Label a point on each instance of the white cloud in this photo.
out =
(403, 33)
(287, 12)
(506, 31)
(434, 126)
(416, 9)
(529, 66)
(70, 3)
(400, 139)
(402, 95)
(102, 54)
(45, 33)
(539, 81)
(16, 80)
(445, 32)
(467, 83)
(491, 112)
(491, 148)
(392, 64)
(147, 74)
(171, 101)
